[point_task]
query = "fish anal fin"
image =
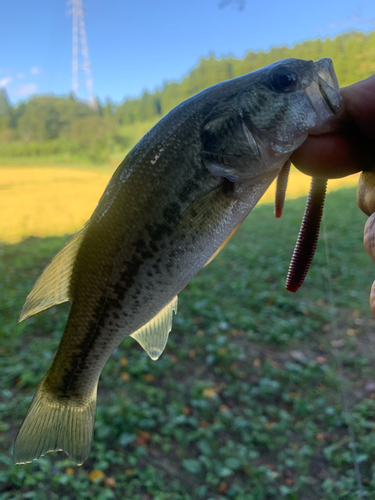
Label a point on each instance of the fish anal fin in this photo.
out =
(52, 286)
(153, 336)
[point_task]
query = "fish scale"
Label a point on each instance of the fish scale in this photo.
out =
(172, 204)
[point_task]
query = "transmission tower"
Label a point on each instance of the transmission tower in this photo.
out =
(81, 69)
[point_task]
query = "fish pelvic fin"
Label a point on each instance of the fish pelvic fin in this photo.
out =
(56, 424)
(53, 285)
(153, 336)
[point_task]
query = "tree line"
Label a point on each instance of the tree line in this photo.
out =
(52, 125)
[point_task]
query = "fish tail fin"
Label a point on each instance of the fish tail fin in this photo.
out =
(56, 424)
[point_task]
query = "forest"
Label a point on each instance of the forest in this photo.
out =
(50, 126)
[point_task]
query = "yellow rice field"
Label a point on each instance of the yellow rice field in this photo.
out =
(46, 201)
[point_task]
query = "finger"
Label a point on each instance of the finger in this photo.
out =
(330, 155)
(369, 236)
(359, 101)
(372, 299)
(366, 192)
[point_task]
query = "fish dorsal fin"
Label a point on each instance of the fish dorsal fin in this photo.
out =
(52, 286)
(153, 335)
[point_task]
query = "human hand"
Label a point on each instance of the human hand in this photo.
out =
(349, 149)
(369, 242)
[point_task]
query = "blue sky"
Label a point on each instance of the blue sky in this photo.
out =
(138, 45)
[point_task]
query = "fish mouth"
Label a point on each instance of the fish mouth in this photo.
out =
(328, 85)
(327, 99)
(324, 95)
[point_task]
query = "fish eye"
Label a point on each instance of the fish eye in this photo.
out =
(283, 79)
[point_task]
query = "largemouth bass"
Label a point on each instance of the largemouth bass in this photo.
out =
(172, 204)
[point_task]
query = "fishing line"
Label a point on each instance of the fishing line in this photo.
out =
(343, 381)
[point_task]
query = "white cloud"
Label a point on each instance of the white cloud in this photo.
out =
(352, 21)
(20, 75)
(35, 71)
(26, 89)
(4, 81)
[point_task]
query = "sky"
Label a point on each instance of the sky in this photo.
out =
(140, 45)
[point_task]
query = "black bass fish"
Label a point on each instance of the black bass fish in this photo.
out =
(172, 204)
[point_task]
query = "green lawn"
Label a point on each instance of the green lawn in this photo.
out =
(246, 402)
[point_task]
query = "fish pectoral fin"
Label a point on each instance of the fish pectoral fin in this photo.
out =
(56, 424)
(153, 336)
(53, 285)
(222, 245)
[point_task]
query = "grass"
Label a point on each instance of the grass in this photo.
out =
(44, 201)
(52, 199)
(247, 400)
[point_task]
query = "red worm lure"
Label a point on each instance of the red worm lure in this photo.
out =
(309, 232)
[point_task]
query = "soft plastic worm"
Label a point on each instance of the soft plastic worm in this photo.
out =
(281, 185)
(308, 236)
